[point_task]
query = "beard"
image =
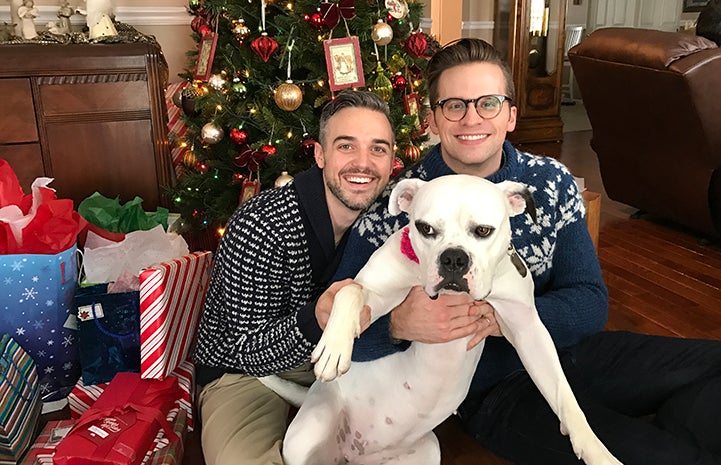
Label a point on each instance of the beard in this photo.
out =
(352, 204)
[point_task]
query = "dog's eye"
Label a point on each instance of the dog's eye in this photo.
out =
(483, 231)
(425, 229)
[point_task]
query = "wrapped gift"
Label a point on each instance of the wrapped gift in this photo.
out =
(42, 451)
(19, 400)
(82, 397)
(167, 452)
(121, 427)
(171, 300)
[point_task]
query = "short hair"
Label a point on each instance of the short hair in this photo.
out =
(352, 99)
(461, 52)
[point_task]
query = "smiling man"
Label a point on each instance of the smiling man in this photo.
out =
(277, 255)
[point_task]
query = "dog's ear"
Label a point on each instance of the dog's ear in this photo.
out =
(519, 198)
(402, 195)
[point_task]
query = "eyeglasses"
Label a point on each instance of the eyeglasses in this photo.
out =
(487, 106)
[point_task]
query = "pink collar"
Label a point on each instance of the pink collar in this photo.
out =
(407, 247)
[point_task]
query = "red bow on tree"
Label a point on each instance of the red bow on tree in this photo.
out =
(250, 158)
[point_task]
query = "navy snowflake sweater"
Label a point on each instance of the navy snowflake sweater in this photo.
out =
(571, 297)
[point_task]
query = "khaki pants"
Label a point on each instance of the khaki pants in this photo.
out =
(243, 422)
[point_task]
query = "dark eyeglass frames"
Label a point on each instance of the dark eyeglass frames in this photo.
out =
(487, 106)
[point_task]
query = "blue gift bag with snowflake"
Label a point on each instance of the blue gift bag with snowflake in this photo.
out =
(36, 309)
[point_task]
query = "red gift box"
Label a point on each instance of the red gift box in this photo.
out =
(171, 300)
(119, 429)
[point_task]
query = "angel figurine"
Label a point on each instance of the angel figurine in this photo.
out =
(27, 13)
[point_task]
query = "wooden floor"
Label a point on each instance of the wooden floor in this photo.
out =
(661, 279)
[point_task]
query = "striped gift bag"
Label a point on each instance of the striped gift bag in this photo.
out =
(20, 403)
(171, 300)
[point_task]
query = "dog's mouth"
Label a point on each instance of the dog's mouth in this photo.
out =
(451, 284)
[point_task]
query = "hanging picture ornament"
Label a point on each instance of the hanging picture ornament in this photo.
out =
(416, 45)
(264, 46)
(382, 86)
(238, 136)
(397, 8)
(397, 167)
(283, 179)
(239, 30)
(382, 33)
(211, 133)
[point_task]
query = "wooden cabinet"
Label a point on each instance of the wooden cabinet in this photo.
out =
(92, 116)
(531, 34)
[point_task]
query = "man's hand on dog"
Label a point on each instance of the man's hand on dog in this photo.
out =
(449, 317)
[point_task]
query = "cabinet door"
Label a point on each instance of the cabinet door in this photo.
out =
(18, 124)
(27, 162)
(114, 158)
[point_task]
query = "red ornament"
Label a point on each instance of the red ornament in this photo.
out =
(264, 46)
(308, 146)
(269, 150)
(397, 167)
(347, 8)
(330, 14)
(416, 45)
(196, 23)
(399, 82)
(237, 178)
(316, 21)
(238, 136)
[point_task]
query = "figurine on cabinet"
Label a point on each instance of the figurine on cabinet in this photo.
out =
(15, 18)
(99, 17)
(27, 13)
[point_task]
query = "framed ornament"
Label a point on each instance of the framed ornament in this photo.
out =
(413, 107)
(248, 190)
(343, 61)
(206, 53)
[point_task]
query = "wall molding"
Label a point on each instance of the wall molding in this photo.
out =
(135, 15)
(477, 25)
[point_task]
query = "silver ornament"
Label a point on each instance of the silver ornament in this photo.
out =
(211, 133)
(382, 33)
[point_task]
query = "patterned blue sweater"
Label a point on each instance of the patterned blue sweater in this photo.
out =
(571, 297)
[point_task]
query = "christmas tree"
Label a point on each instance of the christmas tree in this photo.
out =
(263, 71)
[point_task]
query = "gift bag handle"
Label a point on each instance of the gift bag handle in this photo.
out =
(127, 335)
(23, 379)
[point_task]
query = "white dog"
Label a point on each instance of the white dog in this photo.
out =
(384, 411)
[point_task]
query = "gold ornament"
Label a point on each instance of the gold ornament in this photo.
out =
(211, 133)
(239, 30)
(382, 33)
(288, 96)
(283, 179)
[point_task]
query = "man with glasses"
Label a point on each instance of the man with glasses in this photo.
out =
(651, 400)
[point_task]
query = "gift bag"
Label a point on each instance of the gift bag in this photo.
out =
(109, 326)
(20, 400)
(121, 427)
(37, 309)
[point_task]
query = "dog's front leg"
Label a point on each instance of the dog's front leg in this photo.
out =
(332, 355)
(522, 326)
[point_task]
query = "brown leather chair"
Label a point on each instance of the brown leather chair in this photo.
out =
(654, 102)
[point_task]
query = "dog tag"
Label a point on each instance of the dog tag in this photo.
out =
(517, 262)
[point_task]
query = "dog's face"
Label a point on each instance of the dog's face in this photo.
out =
(459, 229)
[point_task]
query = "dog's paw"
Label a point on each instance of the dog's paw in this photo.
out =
(332, 356)
(591, 450)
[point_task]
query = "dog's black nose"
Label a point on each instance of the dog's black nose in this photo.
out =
(454, 261)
